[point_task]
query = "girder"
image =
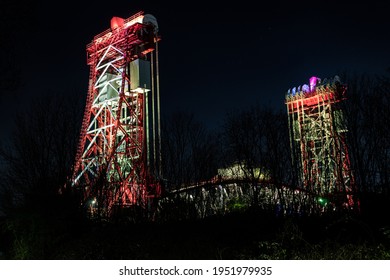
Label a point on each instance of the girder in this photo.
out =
(317, 136)
(111, 165)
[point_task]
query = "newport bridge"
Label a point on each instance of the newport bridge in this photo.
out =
(118, 161)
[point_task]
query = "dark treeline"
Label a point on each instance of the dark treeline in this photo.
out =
(367, 115)
(254, 137)
(368, 119)
(39, 157)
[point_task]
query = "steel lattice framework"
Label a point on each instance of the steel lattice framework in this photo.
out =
(117, 160)
(318, 141)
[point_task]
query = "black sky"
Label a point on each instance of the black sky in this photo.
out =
(214, 56)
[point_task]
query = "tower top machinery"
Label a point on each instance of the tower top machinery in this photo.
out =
(118, 160)
(318, 142)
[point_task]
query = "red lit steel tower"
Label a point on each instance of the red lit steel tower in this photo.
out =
(318, 142)
(118, 157)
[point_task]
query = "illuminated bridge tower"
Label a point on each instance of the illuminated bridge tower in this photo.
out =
(118, 157)
(318, 142)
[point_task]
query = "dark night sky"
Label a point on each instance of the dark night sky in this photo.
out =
(213, 57)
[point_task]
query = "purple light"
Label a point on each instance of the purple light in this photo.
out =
(313, 82)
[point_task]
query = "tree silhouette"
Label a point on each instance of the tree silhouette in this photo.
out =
(41, 153)
(36, 164)
(189, 150)
(367, 116)
(256, 139)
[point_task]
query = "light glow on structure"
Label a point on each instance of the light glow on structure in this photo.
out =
(318, 142)
(118, 158)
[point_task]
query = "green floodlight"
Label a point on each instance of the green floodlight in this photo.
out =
(322, 201)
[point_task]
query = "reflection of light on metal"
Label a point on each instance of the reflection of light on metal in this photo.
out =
(117, 22)
(305, 88)
(293, 91)
(313, 82)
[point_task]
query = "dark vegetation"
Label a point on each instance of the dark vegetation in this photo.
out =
(247, 235)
